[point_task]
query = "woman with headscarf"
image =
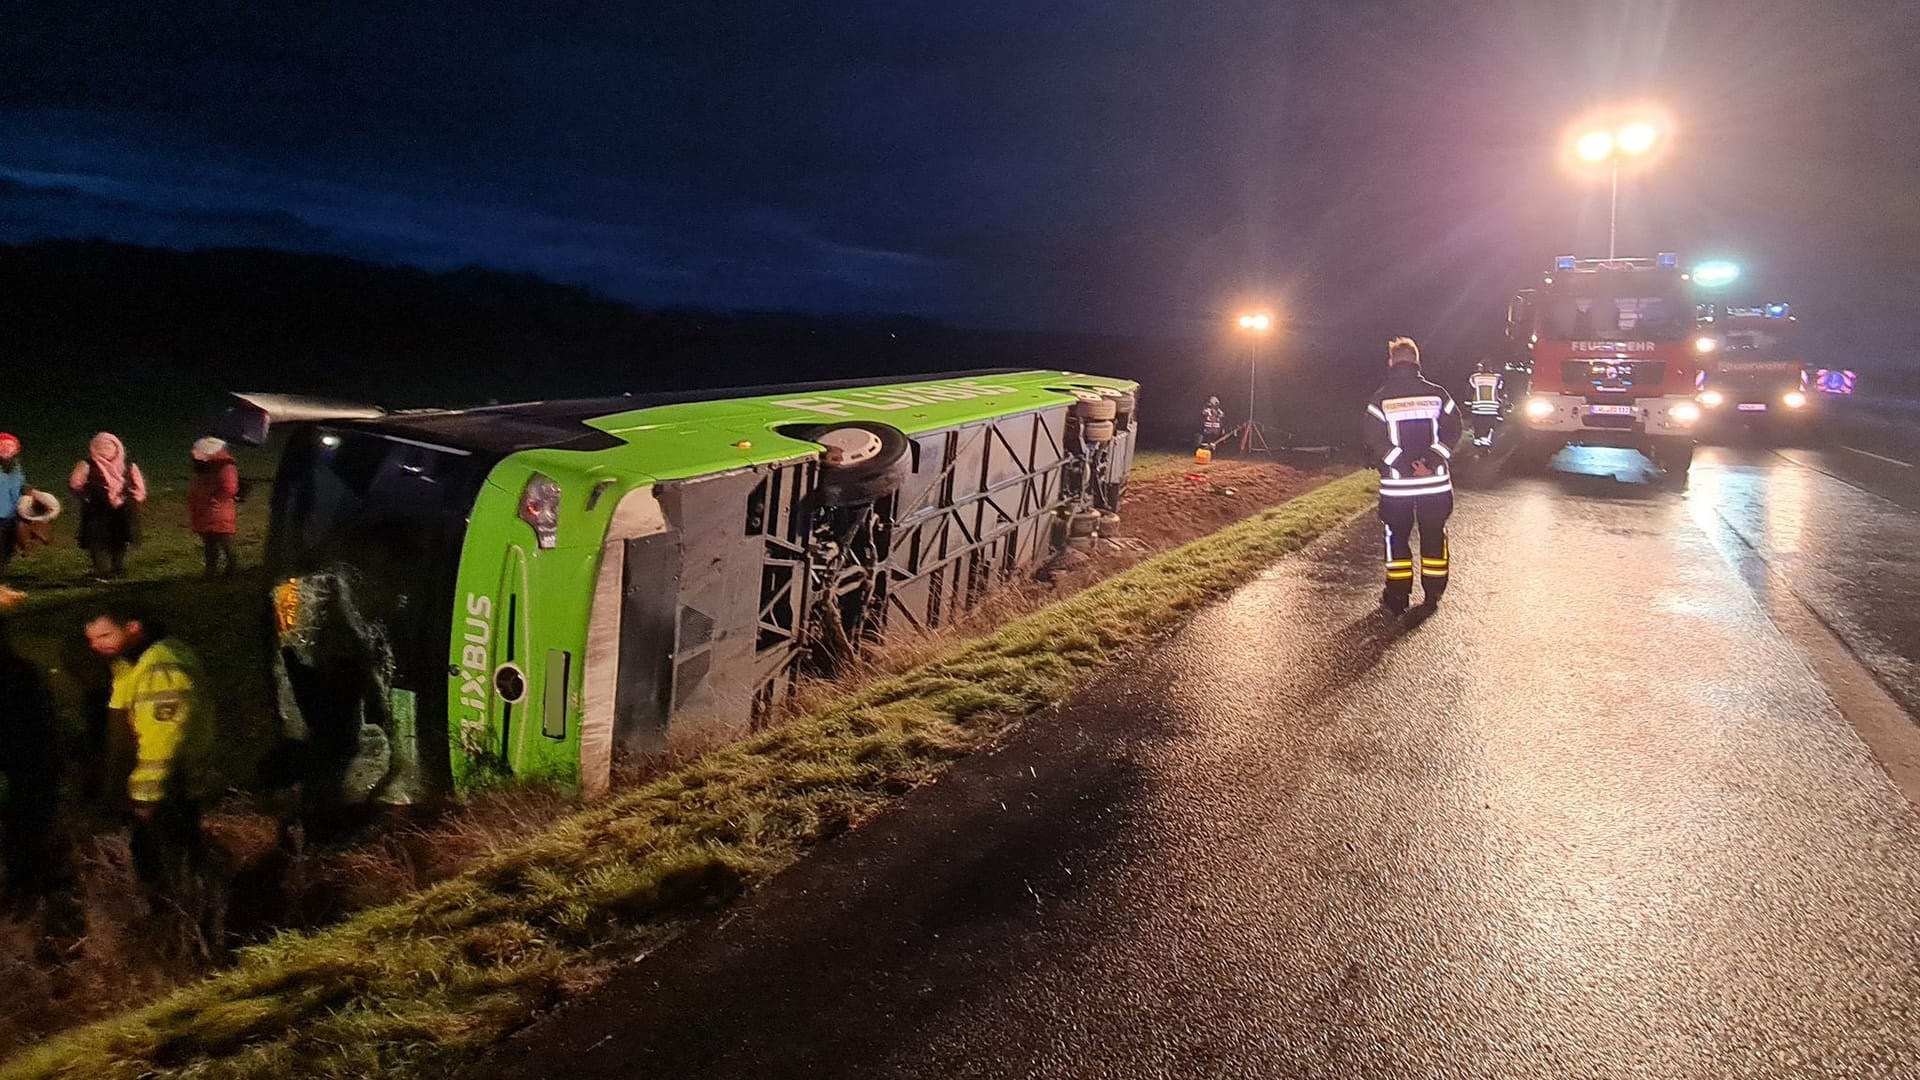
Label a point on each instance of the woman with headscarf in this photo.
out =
(111, 489)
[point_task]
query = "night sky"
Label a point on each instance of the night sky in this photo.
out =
(1137, 165)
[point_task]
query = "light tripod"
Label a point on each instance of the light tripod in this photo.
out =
(1252, 439)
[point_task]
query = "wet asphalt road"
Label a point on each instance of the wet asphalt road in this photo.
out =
(1595, 818)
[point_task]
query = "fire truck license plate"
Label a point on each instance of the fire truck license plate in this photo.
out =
(1612, 410)
(1753, 406)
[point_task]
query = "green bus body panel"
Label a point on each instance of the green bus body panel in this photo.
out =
(550, 593)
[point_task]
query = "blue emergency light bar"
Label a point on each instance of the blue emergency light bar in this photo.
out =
(1668, 258)
(1776, 311)
(1565, 262)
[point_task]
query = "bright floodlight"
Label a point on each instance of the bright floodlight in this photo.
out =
(1258, 322)
(1595, 146)
(1706, 344)
(1637, 137)
(1712, 275)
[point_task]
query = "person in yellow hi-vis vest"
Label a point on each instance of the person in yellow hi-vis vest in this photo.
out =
(162, 711)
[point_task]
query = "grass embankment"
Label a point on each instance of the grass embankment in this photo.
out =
(424, 986)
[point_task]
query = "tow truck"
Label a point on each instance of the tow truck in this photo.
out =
(1607, 354)
(1752, 372)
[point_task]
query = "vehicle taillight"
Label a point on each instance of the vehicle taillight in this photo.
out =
(540, 509)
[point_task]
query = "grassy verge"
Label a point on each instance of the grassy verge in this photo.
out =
(424, 986)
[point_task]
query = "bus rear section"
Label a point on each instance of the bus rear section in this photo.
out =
(716, 593)
(1610, 357)
(1754, 376)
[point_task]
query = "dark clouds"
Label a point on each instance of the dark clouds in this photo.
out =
(1128, 163)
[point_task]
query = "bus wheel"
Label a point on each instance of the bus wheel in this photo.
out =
(1095, 408)
(864, 461)
(1096, 431)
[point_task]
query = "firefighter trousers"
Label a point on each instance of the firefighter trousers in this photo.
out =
(1401, 515)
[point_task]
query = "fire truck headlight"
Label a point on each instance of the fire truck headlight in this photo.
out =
(1685, 412)
(1712, 399)
(1706, 344)
(1794, 399)
(1539, 408)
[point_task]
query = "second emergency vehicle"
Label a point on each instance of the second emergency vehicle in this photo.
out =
(1752, 371)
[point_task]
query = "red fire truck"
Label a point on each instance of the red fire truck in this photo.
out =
(1753, 372)
(1606, 354)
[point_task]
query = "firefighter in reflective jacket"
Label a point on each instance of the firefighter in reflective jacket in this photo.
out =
(1213, 423)
(1411, 428)
(1484, 402)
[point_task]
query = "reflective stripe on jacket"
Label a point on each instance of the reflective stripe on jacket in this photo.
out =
(165, 706)
(1486, 392)
(1410, 429)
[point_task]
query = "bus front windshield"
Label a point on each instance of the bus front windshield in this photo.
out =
(365, 549)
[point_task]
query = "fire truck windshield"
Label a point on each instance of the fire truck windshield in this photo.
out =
(1647, 313)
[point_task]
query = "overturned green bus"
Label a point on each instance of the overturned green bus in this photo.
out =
(512, 593)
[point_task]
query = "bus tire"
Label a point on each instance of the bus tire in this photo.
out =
(867, 480)
(1096, 410)
(1096, 431)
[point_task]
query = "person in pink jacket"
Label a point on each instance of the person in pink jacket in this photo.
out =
(111, 489)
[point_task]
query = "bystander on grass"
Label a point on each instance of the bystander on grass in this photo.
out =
(424, 986)
(222, 619)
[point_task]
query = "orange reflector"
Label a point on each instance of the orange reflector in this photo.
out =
(286, 606)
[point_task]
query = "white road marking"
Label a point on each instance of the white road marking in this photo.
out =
(1879, 457)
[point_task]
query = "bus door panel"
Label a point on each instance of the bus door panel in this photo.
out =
(649, 593)
(716, 611)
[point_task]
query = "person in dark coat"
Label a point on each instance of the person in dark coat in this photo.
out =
(1411, 428)
(111, 489)
(213, 503)
(34, 848)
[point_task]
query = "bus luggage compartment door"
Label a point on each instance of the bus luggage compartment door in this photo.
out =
(649, 599)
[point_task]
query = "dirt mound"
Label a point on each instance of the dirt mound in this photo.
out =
(1170, 508)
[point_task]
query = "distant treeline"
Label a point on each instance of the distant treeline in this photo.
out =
(93, 323)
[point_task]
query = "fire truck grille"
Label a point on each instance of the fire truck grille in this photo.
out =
(1643, 375)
